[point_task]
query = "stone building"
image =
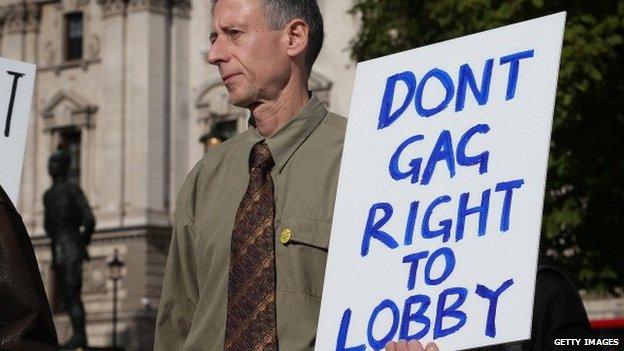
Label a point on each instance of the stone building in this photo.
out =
(124, 86)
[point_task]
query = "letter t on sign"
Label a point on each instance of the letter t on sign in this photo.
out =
(7, 125)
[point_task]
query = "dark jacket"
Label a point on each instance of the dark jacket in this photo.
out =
(25, 317)
(558, 312)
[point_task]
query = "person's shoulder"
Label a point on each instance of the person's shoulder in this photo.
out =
(216, 154)
(72, 188)
(5, 202)
(205, 168)
(4, 198)
(329, 133)
(49, 194)
(335, 121)
(7, 205)
(331, 130)
(46, 195)
(553, 285)
(552, 278)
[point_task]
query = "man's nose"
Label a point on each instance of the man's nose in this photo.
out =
(216, 53)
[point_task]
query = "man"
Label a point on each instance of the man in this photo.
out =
(287, 161)
(251, 229)
(25, 317)
(66, 210)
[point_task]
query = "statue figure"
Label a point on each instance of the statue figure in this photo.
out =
(66, 212)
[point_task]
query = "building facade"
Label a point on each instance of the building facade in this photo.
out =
(123, 85)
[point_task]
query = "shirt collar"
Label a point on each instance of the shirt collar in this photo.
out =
(287, 140)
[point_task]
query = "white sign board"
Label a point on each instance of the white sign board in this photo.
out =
(17, 81)
(437, 218)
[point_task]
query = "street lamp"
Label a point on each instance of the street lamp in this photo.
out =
(114, 273)
(211, 139)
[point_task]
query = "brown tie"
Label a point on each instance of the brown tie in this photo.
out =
(251, 315)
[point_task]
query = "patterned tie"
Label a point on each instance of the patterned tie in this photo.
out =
(251, 315)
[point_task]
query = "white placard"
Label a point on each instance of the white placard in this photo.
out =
(17, 81)
(437, 218)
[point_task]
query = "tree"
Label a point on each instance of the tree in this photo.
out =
(583, 222)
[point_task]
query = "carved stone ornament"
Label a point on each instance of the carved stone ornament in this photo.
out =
(49, 53)
(181, 8)
(14, 18)
(213, 102)
(93, 49)
(67, 109)
(33, 17)
(111, 8)
(19, 17)
(213, 106)
(94, 276)
(155, 6)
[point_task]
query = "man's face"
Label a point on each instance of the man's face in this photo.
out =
(252, 59)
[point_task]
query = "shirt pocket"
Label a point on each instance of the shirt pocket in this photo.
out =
(301, 253)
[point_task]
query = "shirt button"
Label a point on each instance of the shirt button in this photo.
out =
(285, 236)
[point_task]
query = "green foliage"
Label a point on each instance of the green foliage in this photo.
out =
(583, 224)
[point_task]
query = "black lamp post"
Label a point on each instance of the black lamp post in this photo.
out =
(114, 270)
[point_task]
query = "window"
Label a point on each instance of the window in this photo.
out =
(73, 36)
(70, 141)
(227, 129)
(221, 131)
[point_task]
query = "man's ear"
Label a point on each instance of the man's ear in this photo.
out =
(297, 31)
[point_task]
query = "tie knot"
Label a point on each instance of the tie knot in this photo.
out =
(260, 157)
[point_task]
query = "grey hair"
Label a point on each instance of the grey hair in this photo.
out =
(279, 12)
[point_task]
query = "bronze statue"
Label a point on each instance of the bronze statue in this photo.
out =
(66, 212)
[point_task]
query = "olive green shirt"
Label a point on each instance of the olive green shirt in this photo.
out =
(193, 306)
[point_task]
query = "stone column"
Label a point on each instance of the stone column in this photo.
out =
(111, 166)
(148, 101)
(180, 97)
